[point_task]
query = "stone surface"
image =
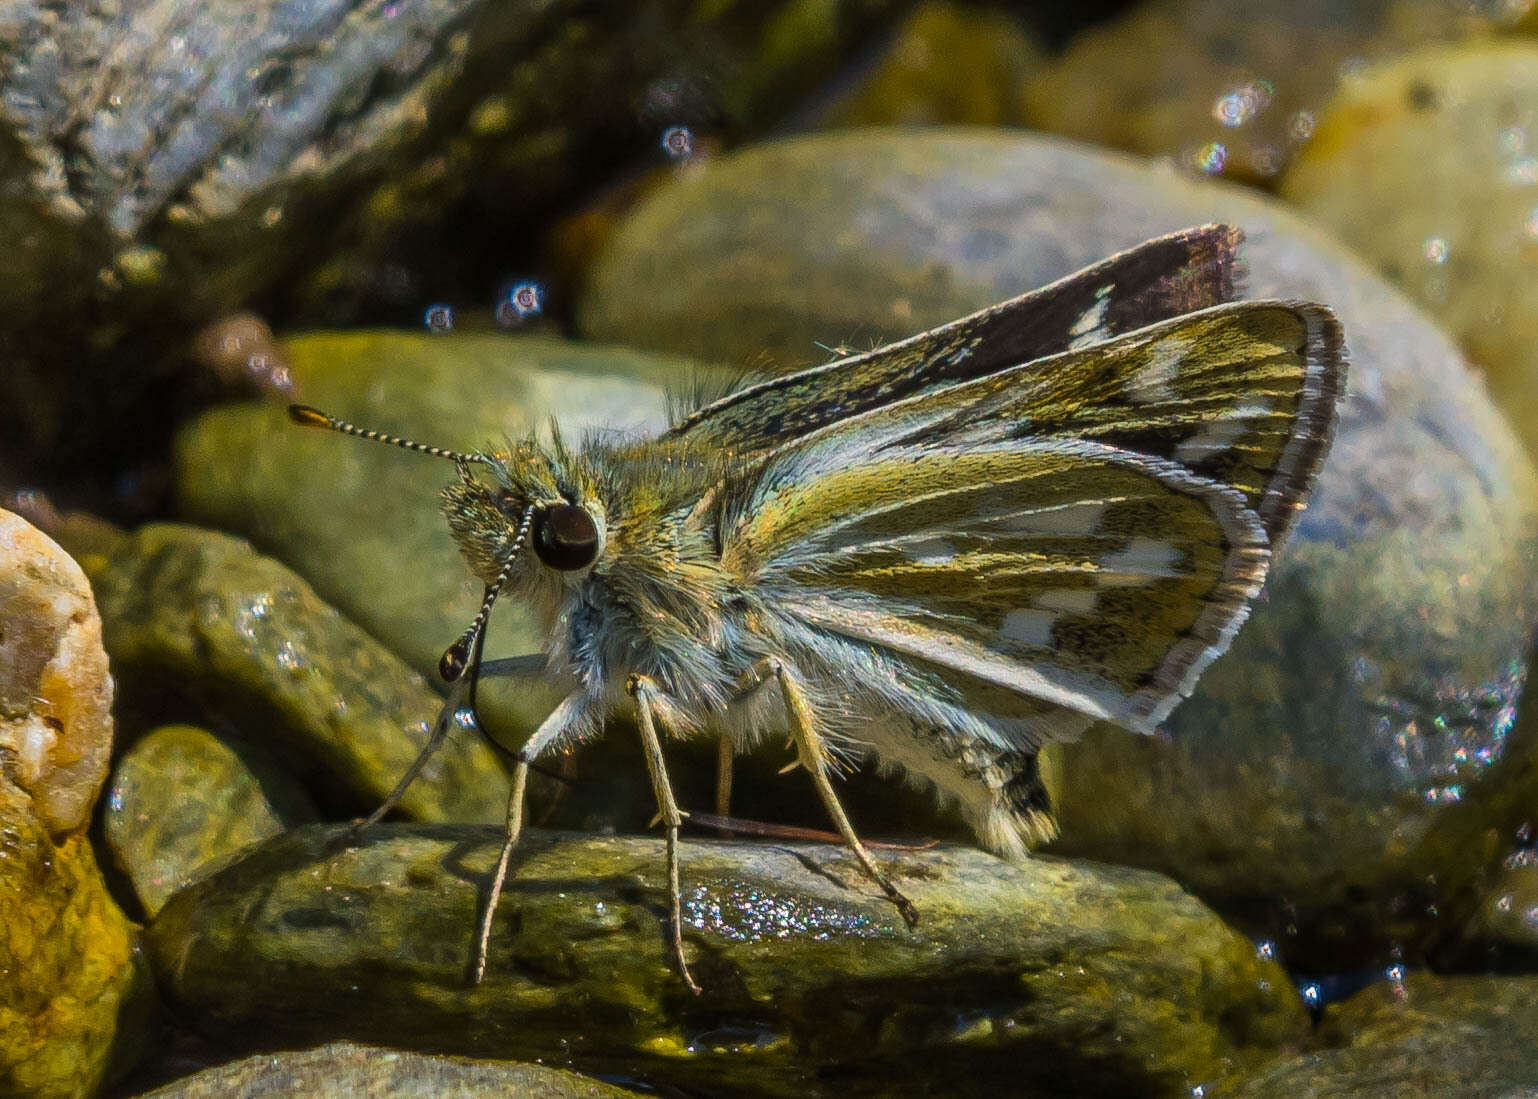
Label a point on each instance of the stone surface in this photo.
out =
(946, 63)
(1226, 89)
(362, 522)
(1504, 927)
(1054, 975)
(55, 689)
(1424, 1035)
(343, 1070)
(1429, 168)
(1336, 775)
(194, 615)
(225, 797)
(167, 161)
(74, 994)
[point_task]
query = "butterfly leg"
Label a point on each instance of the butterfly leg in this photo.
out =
(645, 693)
(725, 760)
(511, 831)
(813, 753)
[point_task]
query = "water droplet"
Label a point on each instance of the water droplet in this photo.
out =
(678, 142)
(524, 300)
(439, 318)
(1435, 250)
(1211, 158)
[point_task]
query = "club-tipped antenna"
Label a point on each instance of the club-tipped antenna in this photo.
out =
(457, 656)
(314, 417)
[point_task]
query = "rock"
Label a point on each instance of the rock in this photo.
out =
(55, 690)
(167, 161)
(1335, 776)
(811, 983)
(1220, 89)
(344, 1069)
(363, 522)
(1423, 1035)
(947, 62)
(1504, 927)
(1429, 168)
(193, 614)
(75, 999)
(227, 797)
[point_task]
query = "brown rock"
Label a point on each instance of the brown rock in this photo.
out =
(55, 690)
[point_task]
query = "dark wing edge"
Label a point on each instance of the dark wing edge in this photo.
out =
(1178, 273)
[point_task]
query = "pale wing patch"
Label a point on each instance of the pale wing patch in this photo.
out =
(1154, 381)
(1028, 627)
(1089, 326)
(1072, 518)
(1221, 434)
(1068, 600)
(1142, 559)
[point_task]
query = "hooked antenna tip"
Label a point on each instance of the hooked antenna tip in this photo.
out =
(309, 417)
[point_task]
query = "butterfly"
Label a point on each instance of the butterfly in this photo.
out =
(938, 555)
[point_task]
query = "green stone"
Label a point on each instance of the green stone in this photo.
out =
(1427, 167)
(1423, 1035)
(343, 1070)
(204, 615)
(227, 796)
(1072, 976)
(1334, 775)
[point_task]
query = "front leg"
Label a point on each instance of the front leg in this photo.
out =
(646, 694)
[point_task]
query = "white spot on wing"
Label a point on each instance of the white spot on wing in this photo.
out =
(1220, 435)
(1139, 560)
(1089, 326)
(1154, 380)
(1080, 517)
(932, 551)
(1028, 627)
(1068, 600)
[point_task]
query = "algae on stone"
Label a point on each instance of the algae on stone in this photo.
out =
(1048, 974)
(182, 799)
(194, 614)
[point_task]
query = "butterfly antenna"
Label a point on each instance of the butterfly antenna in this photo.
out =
(314, 417)
(457, 656)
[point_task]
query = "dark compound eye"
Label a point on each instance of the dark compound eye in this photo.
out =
(566, 537)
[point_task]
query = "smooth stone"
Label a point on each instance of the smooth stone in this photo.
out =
(812, 984)
(342, 1070)
(944, 63)
(1429, 168)
(1424, 1035)
(1336, 776)
(55, 688)
(76, 1000)
(191, 613)
(1223, 89)
(363, 522)
(228, 796)
(1504, 928)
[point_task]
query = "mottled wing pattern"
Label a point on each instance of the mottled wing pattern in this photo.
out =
(1154, 281)
(1086, 531)
(1243, 394)
(1066, 570)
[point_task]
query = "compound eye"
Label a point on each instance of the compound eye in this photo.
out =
(566, 537)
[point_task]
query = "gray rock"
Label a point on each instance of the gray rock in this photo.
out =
(182, 799)
(1424, 1035)
(1331, 772)
(1073, 977)
(342, 1070)
(195, 614)
(166, 161)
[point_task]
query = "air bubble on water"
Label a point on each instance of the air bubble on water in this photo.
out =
(524, 300)
(1211, 158)
(1266, 949)
(464, 717)
(1435, 250)
(678, 142)
(439, 318)
(1311, 994)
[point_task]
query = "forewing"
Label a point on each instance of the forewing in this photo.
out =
(1065, 570)
(1243, 394)
(1159, 279)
